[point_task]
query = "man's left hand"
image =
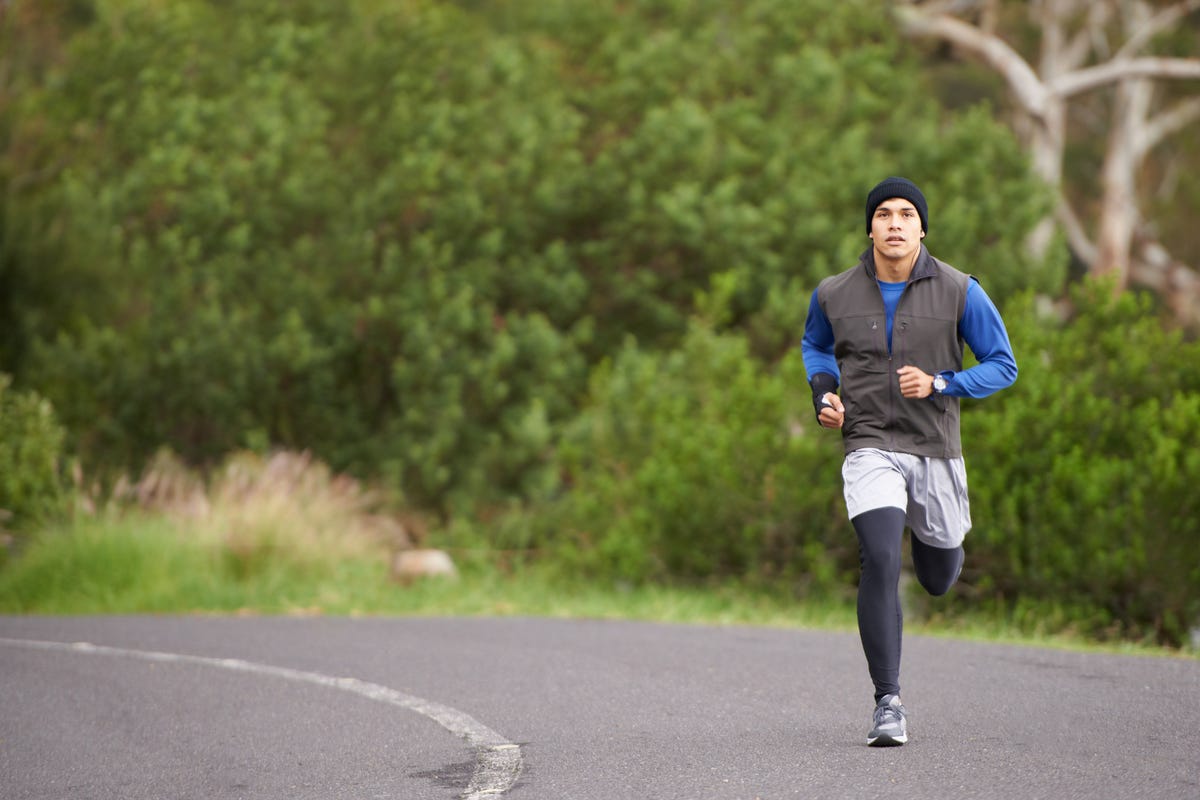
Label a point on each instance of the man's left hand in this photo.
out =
(914, 382)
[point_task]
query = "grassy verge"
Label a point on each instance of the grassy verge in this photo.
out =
(281, 535)
(142, 564)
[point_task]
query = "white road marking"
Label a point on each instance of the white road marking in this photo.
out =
(497, 760)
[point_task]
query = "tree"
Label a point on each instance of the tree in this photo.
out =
(1086, 46)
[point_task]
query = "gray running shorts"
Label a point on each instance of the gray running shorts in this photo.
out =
(931, 491)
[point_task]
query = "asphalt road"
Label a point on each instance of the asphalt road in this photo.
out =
(530, 709)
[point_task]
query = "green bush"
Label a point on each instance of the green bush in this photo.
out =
(694, 465)
(296, 223)
(1083, 475)
(31, 452)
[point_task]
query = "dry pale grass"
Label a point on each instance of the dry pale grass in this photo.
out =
(283, 505)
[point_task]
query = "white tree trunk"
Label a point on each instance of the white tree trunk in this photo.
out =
(1072, 32)
(1119, 210)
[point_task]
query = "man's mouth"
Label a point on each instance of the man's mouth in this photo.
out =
(895, 240)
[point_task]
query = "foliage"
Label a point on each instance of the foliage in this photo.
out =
(401, 235)
(31, 454)
(1084, 474)
(275, 260)
(694, 466)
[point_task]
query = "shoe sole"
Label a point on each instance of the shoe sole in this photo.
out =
(887, 741)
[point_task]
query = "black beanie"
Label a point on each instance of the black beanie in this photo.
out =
(897, 187)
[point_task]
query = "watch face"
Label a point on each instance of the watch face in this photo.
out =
(939, 384)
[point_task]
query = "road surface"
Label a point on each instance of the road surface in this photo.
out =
(533, 709)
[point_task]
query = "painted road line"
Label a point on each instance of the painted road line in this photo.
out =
(497, 760)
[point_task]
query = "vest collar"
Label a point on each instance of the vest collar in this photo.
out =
(925, 266)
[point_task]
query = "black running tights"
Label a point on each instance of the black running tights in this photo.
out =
(880, 620)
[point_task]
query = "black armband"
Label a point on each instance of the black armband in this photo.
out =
(822, 383)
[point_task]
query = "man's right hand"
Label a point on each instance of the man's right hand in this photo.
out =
(833, 413)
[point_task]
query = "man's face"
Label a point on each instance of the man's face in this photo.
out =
(896, 229)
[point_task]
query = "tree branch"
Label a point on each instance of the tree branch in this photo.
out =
(1176, 282)
(1113, 71)
(1156, 25)
(1076, 50)
(1024, 82)
(1184, 113)
(1085, 249)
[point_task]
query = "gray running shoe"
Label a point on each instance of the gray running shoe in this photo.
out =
(890, 728)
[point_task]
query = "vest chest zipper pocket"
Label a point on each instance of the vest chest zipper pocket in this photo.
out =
(881, 346)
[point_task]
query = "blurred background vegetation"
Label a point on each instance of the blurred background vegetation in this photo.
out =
(535, 273)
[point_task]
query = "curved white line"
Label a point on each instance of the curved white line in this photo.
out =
(497, 760)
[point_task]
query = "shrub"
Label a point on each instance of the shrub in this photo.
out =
(695, 465)
(1084, 474)
(31, 453)
(254, 510)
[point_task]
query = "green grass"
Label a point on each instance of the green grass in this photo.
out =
(147, 564)
(143, 565)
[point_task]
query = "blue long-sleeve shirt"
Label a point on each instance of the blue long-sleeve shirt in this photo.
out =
(980, 327)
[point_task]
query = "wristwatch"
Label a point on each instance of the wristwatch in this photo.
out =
(939, 384)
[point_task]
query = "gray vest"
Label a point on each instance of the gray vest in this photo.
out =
(924, 334)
